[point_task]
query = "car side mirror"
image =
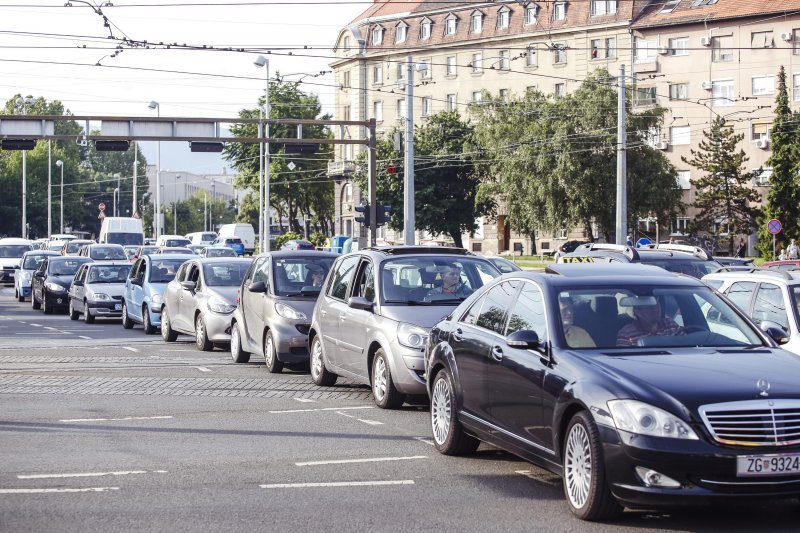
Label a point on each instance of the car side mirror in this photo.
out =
(775, 331)
(258, 286)
(359, 302)
(77, 283)
(525, 338)
(38, 274)
(136, 281)
(189, 285)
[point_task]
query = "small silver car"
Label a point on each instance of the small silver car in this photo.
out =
(201, 299)
(103, 252)
(218, 251)
(22, 275)
(97, 290)
(372, 319)
(276, 300)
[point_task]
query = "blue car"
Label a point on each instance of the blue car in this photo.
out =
(234, 243)
(144, 289)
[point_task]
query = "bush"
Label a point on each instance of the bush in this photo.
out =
(318, 238)
(280, 240)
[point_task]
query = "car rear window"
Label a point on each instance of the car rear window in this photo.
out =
(164, 270)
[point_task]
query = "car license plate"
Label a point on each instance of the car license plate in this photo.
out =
(117, 307)
(784, 464)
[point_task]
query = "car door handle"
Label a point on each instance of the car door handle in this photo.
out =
(458, 335)
(342, 317)
(323, 312)
(497, 353)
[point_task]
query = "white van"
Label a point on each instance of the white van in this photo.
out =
(127, 231)
(202, 237)
(11, 250)
(244, 232)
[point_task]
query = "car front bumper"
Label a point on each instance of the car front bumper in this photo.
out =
(56, 299)
(291, 341)
(112, 309)
(218, 326)
(706, 472)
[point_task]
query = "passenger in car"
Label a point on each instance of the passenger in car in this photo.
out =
(649, 321)
(576, 336)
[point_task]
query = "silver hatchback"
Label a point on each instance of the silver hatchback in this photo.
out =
(201, 299)
(275, 305)
(371, 321)
(97, 290)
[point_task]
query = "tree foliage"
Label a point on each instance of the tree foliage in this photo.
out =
(724, 196)
(192, 213)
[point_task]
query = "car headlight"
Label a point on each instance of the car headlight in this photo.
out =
(54, 287)
(287, 311)
(644, 419)
(25, 276)
(158, 298)
(412, 336)
(220, 306)
(101, 296)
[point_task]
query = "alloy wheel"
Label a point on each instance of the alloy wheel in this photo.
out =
(379, 378)
(578, 466)
(441, 406)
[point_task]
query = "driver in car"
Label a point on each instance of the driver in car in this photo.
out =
(452, 287)
(650, 321)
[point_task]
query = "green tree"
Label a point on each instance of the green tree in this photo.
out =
(446, 180)
(191, 213)
(783, 197)
(724, 195)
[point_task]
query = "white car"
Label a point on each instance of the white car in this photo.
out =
(11, 252)
(22, 276)
(97, 290)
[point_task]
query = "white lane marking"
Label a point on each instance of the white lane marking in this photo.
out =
(173, 351)
(38, 333)
(129, 349)
(369, 460)
(82, 474)
(304, 400)
(203, 369)
(114, 419)
(426, 440)
(337, 484)
(38, 325)
(43, 491)
(321, 409)
(370, 422)
(84, 337)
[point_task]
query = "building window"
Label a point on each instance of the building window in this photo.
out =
(603, 48)
(560, 11)
(346, 79)
(680, 135)
(348, 193)
(424, 68)
(530, 58)
(377, 111)
(503, 18)
(425, 31)
(504, 60)
(645, 51)
(504, 95)
(346, 112)
(400, 108)
(669, 6)
(477, 96)
(559, 54)
(611, 47)
(680, 226)
(762, 39)
(346, 45)
(377, 74)
(476, 23)
(761, 131)
(722, 91)
(604, 7)
(452, 68)
(400, 33)
(560, 89)
(762, 176)
(426, 106)
(796, 42)
(530, 14)
(679, 46)
(763, 85)
(678, 91)
(595, 48)
(721, 48)
(644, 96)
(796, 87)
(477, 63)
(450, 25)
(683, 179)
(401, 71)
(530, 89)
(452, 104)
(377, 35)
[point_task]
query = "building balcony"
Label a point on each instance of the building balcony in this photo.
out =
(341, 169)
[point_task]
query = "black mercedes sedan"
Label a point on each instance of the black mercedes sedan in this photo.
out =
(50, 282)
(641, 388)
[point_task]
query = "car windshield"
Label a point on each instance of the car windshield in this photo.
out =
(220, 252)
(64, 268)
(107, 252)
(628, 318)
(174, 243)
(32, 262)
(433, 280)
(225, 274)
(14, 250)
(108, 273)
(298, 276)
(163, 270)
(73, 247)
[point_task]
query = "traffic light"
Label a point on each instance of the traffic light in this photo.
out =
(363, 208)
(18, 144)
(382, 214)
(300, 148)
(112, 146)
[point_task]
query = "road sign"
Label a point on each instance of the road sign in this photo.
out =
(101, 206)
(774, 226)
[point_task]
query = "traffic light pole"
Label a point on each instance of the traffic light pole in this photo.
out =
(372, 185)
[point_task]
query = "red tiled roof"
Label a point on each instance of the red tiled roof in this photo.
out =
(383, 8)
(648, 12)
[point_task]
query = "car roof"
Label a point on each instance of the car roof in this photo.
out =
(118, 263)
(416, 250)
(278, 254)
(749, 273)
(207, 260)
(161, 257)
(612, 274)
(14, 240)
(630, 254)
(60, 258)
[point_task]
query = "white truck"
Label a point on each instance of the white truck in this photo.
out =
(126, 231)
(243, 231)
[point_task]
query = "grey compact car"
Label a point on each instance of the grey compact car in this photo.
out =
(201, 299)
(97, 290)
(372, 319)
(275, 305)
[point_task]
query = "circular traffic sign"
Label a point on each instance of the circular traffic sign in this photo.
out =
(774, 226)
(101, 206)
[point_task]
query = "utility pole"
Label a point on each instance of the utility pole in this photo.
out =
(622, 178)
(372, 186)
(49, 188)
(408, 198)
(134, 210)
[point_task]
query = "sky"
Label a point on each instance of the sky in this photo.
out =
(66, 53)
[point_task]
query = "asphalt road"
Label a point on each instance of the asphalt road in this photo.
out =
(106, 429)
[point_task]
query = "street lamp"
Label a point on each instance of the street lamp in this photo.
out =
(117, 191)
(263, 160)
(22, 104)
(155, 105)
(175, 207)
(60, 164)
(116, 199)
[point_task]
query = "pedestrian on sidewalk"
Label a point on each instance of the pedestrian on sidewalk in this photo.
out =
(792, 251)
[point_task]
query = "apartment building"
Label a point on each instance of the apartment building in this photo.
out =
(178, 186)
(694, 57)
